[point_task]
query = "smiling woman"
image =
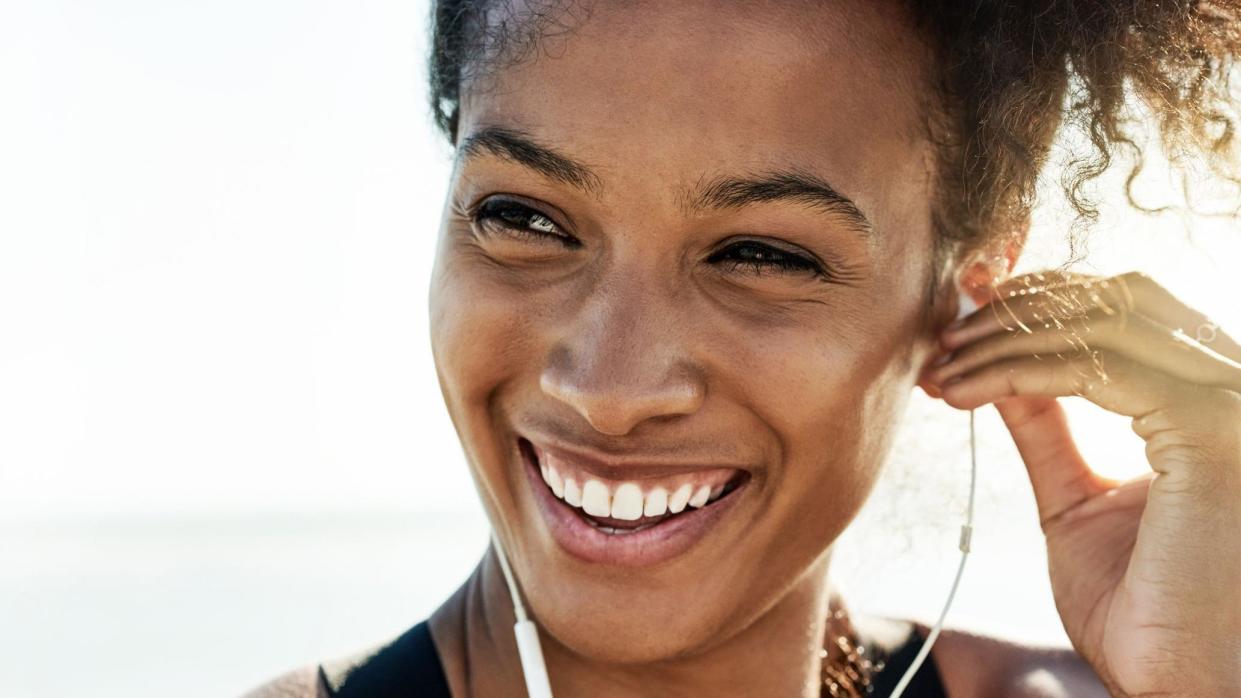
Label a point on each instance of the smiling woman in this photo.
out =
(693, 260)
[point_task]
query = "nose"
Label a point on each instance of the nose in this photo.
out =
(623, 360)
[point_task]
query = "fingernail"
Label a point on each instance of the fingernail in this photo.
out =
(943, 359)
(955, 324)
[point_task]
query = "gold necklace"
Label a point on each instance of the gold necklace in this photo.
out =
(849, 675)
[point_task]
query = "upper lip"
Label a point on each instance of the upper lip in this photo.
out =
(630, 466)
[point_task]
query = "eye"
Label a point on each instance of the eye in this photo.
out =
(518, 221)
(521, 222)
(754, 258)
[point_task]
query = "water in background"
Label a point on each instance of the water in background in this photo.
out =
(213, 604)
(208, 606)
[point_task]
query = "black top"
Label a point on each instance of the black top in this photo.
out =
(409, 667)
(926, 682)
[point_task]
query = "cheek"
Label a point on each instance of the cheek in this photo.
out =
(832, 399)
(477, 345)
(843, 434)
(478, 335)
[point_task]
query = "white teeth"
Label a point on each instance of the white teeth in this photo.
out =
(572, 493)
(656, 502)
(627, 502)
(555, 482)
(676, 503)
(595, 499)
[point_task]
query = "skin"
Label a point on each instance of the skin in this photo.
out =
(1144, 572)
(637, 341)
(623, 331)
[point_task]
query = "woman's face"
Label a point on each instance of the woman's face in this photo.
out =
(703, 256)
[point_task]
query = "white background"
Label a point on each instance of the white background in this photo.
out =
(223, 450)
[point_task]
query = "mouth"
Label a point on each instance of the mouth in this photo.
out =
(642, 519)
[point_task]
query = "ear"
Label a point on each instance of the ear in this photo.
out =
(977, 276)
(984, 271)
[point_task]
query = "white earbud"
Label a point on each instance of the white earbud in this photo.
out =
(965, 304)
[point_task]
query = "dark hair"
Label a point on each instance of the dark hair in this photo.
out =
(1009, 75)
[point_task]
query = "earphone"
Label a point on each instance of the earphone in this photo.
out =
(965, 306)
(533, 668)
(530, 652)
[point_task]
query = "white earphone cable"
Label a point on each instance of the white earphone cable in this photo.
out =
(967, 531)
(519, 609)
(533, 668)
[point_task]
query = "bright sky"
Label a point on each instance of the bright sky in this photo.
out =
(217, 222)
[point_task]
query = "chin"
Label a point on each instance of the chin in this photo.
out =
(624, 630)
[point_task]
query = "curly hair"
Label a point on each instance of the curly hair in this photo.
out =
(1008, 77)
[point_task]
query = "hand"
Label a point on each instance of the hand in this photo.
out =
(1146, 573)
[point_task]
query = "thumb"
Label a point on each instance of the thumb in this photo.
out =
(1060, 476)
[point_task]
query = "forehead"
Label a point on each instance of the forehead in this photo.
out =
(680, 90)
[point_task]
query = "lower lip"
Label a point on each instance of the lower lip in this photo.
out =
(663, 541)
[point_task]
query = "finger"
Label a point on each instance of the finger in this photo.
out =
(1061, 478)
(1058, 301)
(1190, 430)
(1106, 378)
(1158, 303)
(1134, 335)
(1025, 392)
(1032, 300)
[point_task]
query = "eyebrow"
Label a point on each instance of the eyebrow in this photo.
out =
(725, 192)
(521, 148)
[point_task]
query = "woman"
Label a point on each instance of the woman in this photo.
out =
(693, 259)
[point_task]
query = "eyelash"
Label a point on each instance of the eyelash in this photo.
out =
(783, 261)
(496, 209)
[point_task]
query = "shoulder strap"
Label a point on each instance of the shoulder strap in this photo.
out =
(407, 667)
(927, 683)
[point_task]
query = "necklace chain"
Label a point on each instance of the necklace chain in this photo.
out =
(850, 675)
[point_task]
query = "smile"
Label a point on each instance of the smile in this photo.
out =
(635, 516)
